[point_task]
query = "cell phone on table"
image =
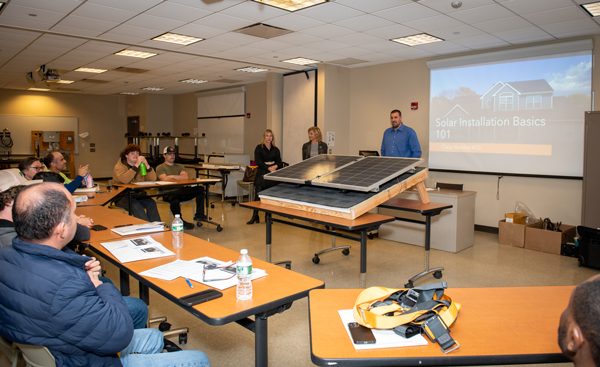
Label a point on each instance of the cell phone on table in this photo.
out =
(200, 297)
(98, 227)
(361, 334)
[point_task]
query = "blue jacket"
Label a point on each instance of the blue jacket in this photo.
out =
(48, 299)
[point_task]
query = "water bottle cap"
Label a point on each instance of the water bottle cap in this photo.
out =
(244, 251)
(177, 215)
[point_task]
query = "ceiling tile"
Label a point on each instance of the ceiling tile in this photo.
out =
(87, 23)
(122, 38)
(328, 31)
(138, 32)
(132, 5)
(393, 31)
(364, 23)
(330, 12)
(480, 41)
(458, 32)
(99, 12)
(269, 45)
(254, 11)
(442, 47)
(299, 51)
(294, 22)
(211, 45)
(60, 6)
(556, 15)
(356, 39)
(200, 31)
(407, 13)
(432, 24)
(355, 52)
(296, 39)
(325, 45)
(41, 16)
(158, 24)
(506, 24)
(521, 33)
(82, 32)
(212, 6)
(237, 38)
(534, 6)
(482, 14)
(409, 53)
(24, 23)
(445, 7)
(532, 40)
(326, 56)
(177, 12)
(225, 22)
(59, 41)
(372, 6)
(571, 26)
(382, 46)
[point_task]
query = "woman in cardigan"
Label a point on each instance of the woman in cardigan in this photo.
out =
(315, 145)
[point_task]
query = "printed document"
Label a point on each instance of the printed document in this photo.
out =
(139, 229)
(134, 249)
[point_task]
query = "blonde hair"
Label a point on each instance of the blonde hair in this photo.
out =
(317, 132)
(265, 135)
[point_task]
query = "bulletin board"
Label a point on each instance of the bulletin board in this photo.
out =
(20, 127)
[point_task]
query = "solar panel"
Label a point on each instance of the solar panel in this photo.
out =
(311, 168)
(367, 174)
(345, 172)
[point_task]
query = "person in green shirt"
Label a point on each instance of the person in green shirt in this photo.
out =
(174, 171)
(55, 162)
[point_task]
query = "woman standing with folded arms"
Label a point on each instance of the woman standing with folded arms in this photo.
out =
(268, 159)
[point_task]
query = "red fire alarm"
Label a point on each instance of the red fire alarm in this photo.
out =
(414, 106)
(248, 115)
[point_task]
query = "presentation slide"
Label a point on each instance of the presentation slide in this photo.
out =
(522, 117)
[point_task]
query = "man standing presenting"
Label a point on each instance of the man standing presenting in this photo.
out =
(55, 162)
(175, 171)
(400, 140)
(53, 297)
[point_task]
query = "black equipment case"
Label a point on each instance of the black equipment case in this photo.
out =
(589, 247)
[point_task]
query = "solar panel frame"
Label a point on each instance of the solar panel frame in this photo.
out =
(312, 168)
(367, 174)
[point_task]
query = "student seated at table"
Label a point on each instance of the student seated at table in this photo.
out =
(579, 328)
(55, 162)
(126, 171)
(53, 297)
(11, 184)
(175, 171)
(29, 166)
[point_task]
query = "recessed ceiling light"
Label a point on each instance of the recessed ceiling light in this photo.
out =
(301, 61)
(65, 81)
(177, 39)
(130, 93)
(39, 89)
(194, 81)
(133, 53)
(90, 70)
(291, 5)
(417, 39)
(592, 8)
(252, 69)
(155, 89)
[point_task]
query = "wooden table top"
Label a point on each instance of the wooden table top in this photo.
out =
(189, 181)
(279, 287)
(365, 220)
(108, 218)
(100, 199)
(413, 205)
(494, 326)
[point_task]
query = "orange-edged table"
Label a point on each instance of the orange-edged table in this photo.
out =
(494, 326)
(100, 197)
(271, 294)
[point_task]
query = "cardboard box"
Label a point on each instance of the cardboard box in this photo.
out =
(516, 218)
(513, 234)
(549, 241)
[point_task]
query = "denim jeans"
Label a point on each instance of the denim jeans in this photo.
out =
(137, 308)
(144, 351)
(142, 207)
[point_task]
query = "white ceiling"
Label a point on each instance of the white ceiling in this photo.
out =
(67, 34)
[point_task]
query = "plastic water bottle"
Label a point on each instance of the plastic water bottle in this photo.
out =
(143, 169)
(177, 229)
(244, 273)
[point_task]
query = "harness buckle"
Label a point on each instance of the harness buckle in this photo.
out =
(438, 332)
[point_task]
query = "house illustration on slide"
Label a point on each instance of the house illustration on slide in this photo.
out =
(518, 96)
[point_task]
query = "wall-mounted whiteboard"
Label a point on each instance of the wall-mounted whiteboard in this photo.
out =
(20, 127)
(223, 135)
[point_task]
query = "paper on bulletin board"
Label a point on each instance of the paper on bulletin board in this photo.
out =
(331, 138)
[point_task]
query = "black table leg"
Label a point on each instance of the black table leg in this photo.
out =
(144, 293)
(363, 257)
(130, 200)
(268, 222)
(124, 279)
(261, 343)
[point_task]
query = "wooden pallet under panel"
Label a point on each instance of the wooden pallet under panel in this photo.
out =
(362, 207)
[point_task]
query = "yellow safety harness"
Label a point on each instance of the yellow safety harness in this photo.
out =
(409, 312)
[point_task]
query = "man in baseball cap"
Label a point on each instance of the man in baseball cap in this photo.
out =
(174, 171)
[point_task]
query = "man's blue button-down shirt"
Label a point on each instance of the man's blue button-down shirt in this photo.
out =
(400, 143)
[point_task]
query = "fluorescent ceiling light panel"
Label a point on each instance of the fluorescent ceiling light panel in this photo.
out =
(155, 89)
(252, 69)
(301, 61)
(177, 39)
(133, 53)
(417, 39)
(592, 8)
(90, 70)
(65, 81)
(291, 5)
(130, 93)
(39, 89)
(194, 81)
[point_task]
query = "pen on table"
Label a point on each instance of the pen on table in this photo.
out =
(189, 283)
(123, 225)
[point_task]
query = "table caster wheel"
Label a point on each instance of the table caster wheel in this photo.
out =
(327, 228)
(370, 235)
(164, 326)
(219, 228)
(437, 275)
(288, 266)
(198, 224)
(233, 204)
(316, 260)
(183, 338)
(409, 285)
(346, 251)
(212, 206)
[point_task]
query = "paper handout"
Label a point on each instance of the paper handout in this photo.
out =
(139, 229)
(134, 249)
